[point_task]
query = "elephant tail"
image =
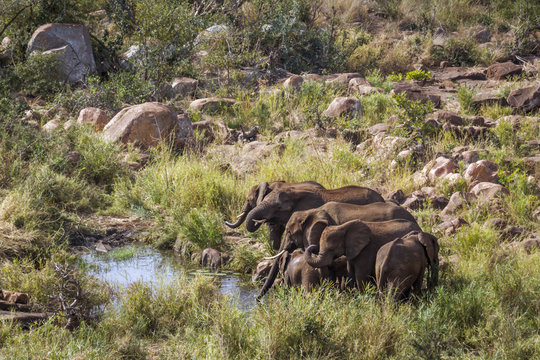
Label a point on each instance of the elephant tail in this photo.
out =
(433, 271)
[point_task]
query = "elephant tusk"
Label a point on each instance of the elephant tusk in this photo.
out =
(259, 221)
(275, 256)
(239, 216)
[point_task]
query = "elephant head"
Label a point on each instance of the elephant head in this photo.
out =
(302, 227)
(431, 249)
(348, 239)
(254, 197)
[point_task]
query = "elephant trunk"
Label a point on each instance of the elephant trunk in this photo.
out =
(238, 222)
(254, 217)
(271, 278)
(318, 261)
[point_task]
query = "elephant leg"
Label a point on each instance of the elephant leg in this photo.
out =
(417, 285)
(275, 233)
(362, 274)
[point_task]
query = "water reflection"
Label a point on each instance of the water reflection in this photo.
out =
(161, 268)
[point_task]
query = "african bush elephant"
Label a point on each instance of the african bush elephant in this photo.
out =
(257, 194)
(277, 201)
(305, 227)
(213, 258)
(296, 272)
(359, 241)
(400, 264)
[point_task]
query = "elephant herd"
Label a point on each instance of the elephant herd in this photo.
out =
(349, 236)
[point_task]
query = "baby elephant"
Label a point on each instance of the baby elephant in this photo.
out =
(401, 263)
(213, 258)
(297, 272)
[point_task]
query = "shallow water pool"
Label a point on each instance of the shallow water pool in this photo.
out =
(159, 268)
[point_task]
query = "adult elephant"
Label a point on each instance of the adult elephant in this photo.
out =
(257, 194)
(401, 263)
(305, 227)
(277, 201)
(359, 241)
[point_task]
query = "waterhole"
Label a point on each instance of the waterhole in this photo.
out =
(124, 266)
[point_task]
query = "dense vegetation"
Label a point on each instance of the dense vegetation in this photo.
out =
(488, 303)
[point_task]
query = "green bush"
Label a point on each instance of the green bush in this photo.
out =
(458, 52)
(39, 74)
(412, 113)
(200, 229)
(421, 75)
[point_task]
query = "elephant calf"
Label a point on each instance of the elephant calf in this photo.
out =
(401, 263)
(213, 258)
(296, 272)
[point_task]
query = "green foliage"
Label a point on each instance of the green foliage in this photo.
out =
(458, 52)
(421, 75)
(393, 77)
(413, 113)
(201, 228)
(39, 75)
(244, 258)
(465, 96)
(112, 94)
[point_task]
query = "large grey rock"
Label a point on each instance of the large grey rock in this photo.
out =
(501, 71)
(94, 116)
(147, 124)
(211, 104)
(344, 106)
(440, 168)
(487, 192)
(525, 99)
(184, 86)
(482, 171)
(72, 44)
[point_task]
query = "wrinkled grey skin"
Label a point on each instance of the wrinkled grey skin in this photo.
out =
(214, 258)
(255, 197)
(305, 227)
(276, 202)
(359, 241)
(296, 272)
(401, 263)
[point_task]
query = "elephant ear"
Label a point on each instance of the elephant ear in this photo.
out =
(429, 242)
(315, 230)
(261, 190)
(283, 262)
(357, 237)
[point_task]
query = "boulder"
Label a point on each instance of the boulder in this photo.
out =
(211, 34)
(482, 35)
(94, 116)
(483, 171)
(532, 163)
(343, 79)
(525, 99)
(362, 87)
(457, 201)
(415, 92)
(378, 128)
(528, 245)
(397, 196)
(211, 104)
(294, 82)
(6, 53)
(502, 70)
(448, 117)
(147, 124)
(414, 202)
(440, 168)
(488, 98)
(14, 297)
(52, 125)
(450, 226)
(184, 86)
(487, 191)
(459, 73)
(72, 43)
(344, 106)
(211, 130)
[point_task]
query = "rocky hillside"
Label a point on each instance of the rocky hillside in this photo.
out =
(149, 121)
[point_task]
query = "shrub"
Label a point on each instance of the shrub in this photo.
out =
(465, 96)
(412, 112)
(420, 75)
(200, 229)
(39, 74)
(458, 52)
